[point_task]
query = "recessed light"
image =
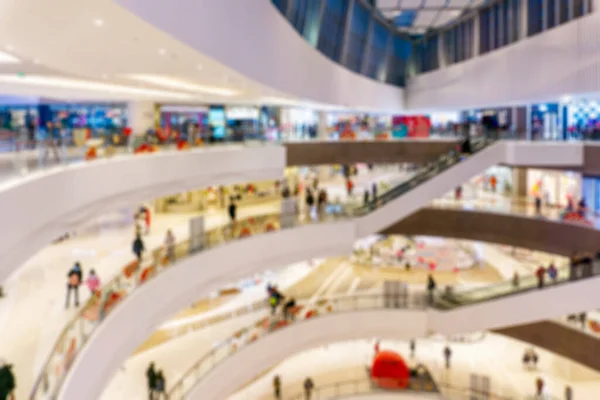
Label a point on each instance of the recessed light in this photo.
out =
(98, 22)
(200, 67)
(162, 52)
(36, 61)
(104, 76)
(10, 47)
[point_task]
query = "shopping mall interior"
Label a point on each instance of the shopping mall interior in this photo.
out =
(300, 199)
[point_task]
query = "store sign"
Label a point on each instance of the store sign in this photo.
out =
(240, 113)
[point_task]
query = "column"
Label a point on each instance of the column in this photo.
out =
(519, 182)
(440, 51)
(524, 18)
(322, 126)
(141, 116)
(476, 36)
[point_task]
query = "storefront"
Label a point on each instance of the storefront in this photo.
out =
(298, 123)
(547, 121)
(242, 122)
(183, 120)
(591, 193)
(555, 188)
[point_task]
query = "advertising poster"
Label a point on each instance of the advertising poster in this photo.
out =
(413, 126)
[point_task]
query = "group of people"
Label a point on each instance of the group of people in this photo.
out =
(75, 279)
(276, 299)
(156, 383)
(308, 386)
(372, 196)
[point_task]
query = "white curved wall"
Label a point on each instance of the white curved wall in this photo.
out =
(36, 209)
(252, 37)
(251, 360)
(181, 286)
(147, 307)
(562, 61)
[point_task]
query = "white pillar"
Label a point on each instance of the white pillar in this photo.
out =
(524, 19)
(475, 36)
(140, 116)
(322, 126)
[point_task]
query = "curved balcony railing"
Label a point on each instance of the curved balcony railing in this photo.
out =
(75, 335)
(305, 310)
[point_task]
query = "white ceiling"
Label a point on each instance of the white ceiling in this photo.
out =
(78, 50)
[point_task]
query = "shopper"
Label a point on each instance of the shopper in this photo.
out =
(374, 191)
(349, 186)
(413, 347)
(277, 387)
(49, 139)
(540, 273)
(431, 285)
(8, 382)
(539, 387)
(93, 282)
(582, 319)
(160, 385)
(151, 378)
(288, 309)
(516, 281)
(366, 197)
(552, 273)
(74, 277)
(170, 246)
(447, 355)
(138, 248)
(309, 385)
(568, 393)
(310, 201)
(493, 183)
(538, 205)
(232, 210)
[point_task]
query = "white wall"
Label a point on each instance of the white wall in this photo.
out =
(252, 37)
(38, 208)
(176, 288)
(250, 361)
(561, 61)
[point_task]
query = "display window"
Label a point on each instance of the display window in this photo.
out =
(556, 188)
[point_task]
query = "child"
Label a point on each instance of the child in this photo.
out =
(93, 282)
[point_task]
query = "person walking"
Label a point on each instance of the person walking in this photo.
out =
(232, 209)
(8, 383)
(568, 393)
(74, 278)
(349, 186)
(170, 246)
(366, 197)
(447, 355)
(538, 205)
(160, 385)
(552, 272)
(151, 379)
(309, 385)
(374, 191)
(516, 281)
(93, 282)
(582, 319)
(138, 248)
(413, 347)
(277, 387)
(540, 273)
(431, 285)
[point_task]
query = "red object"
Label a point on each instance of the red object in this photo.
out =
(162, 134)
(147, 218)
(420, 245)
(420, 260)
(245, 233)
(389, 370)
(127, 131)
(270, 227)
(455, 270)
(310, 314)
(432, 266)
(182, 145)
(416, 125)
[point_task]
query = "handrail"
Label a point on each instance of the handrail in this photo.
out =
(116, 289)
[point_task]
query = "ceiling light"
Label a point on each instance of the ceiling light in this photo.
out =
(200, 67)
(104, 76)
(10, 47)
(162, 52)
(6, 58)
(171, 83)
(36, 61)
(66, 83)
(98, 22)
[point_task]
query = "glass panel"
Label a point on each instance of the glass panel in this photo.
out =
(312, 22)
(563, 11)
(550, 14)
(496, 29)
(484, 31)
(505, 18)
(297, 13)
(515, 8)
(378, 57)
(331, 37)
(357, 39)
(281, 5)
(401, 52)
(534, 17)
(578, 8)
